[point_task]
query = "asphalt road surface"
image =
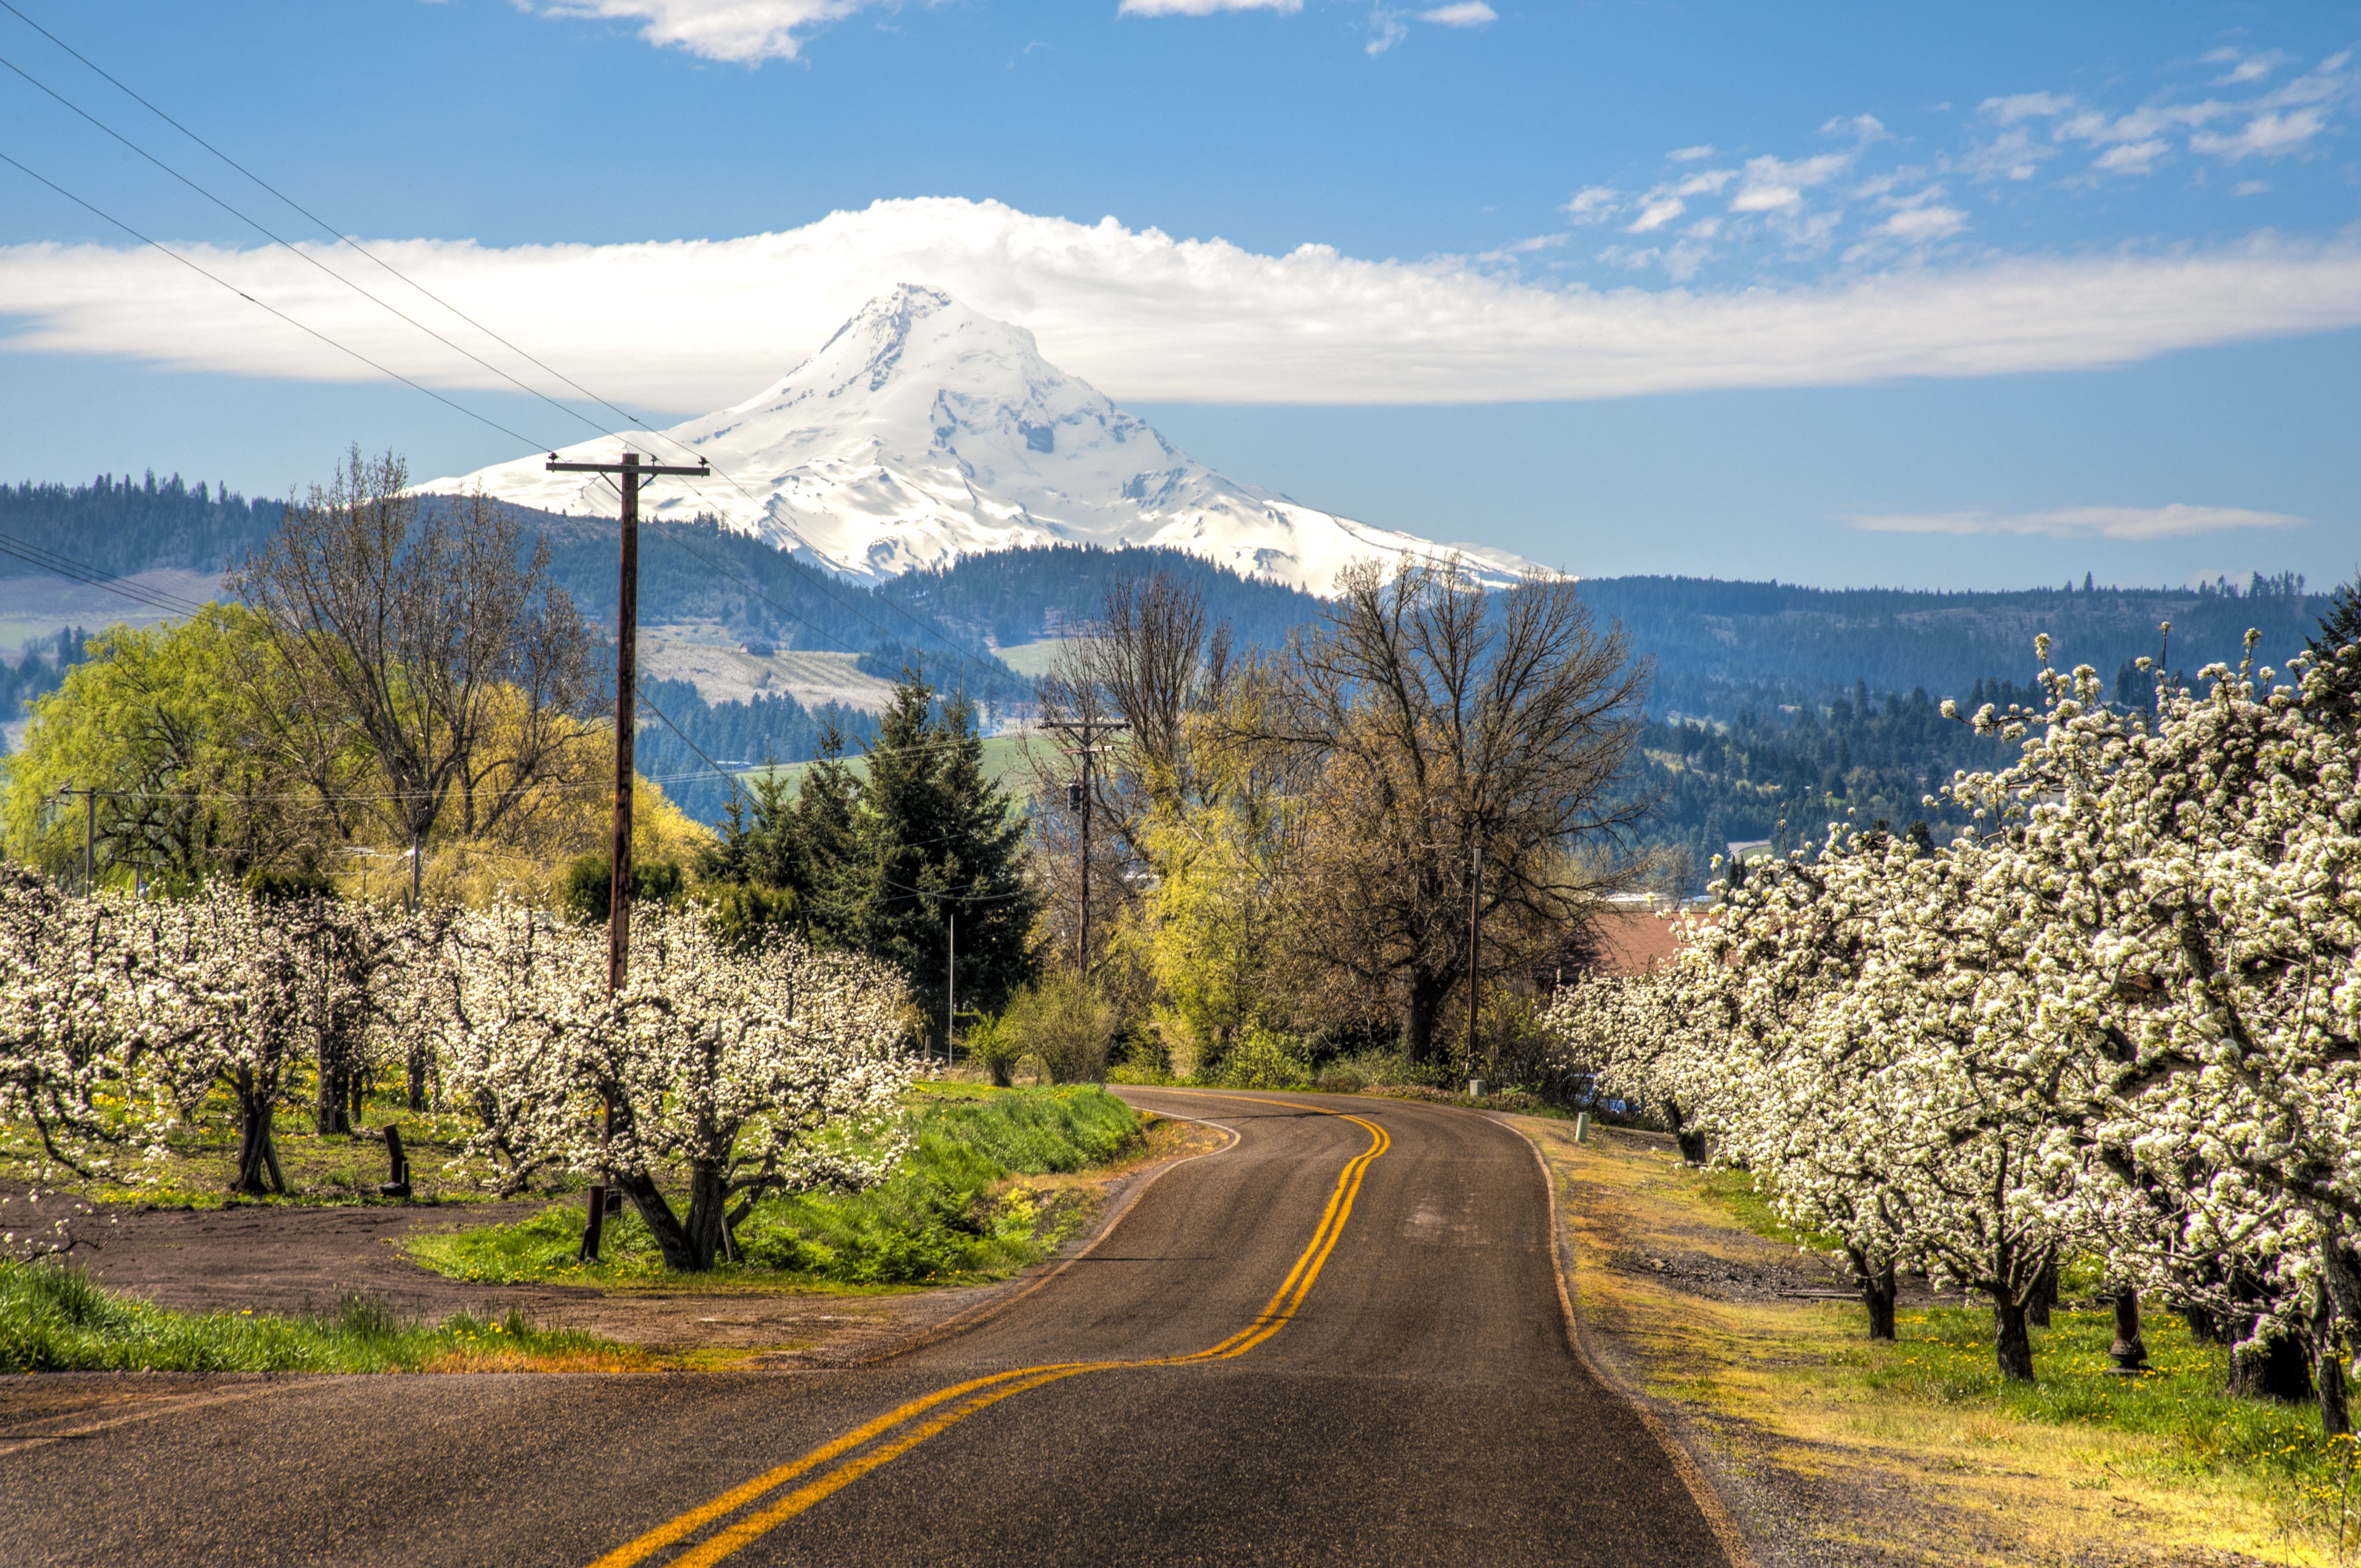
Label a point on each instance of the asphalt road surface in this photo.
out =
(1337, 1341)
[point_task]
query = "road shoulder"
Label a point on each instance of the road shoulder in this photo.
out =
(1750, 1358)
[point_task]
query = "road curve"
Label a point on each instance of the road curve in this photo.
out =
(1337, 1341)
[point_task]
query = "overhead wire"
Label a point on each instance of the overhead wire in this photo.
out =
(929, 628)
(201, 271)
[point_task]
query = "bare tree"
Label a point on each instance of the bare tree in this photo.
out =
(419, 636)
(1146, 669)
(1456, 725)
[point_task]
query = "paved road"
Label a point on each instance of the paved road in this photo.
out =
(1339, 1341)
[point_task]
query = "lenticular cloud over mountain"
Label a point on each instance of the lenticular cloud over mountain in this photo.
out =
(924, 430)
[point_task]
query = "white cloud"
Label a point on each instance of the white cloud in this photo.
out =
(1656, 214)
(2012, 154)
(741, 31)
(2266, 135)
(1202, 7)
(1386, 29)
(2015, 107)
(2132, 156)
(1867, 128)
(1705, 184)
(704, 323)
(1691, 154)
(2253, 67)
(1917, 226)
(1773, 183)
(2174, 521)
(2250, 187)
(1465, 14)
(1592, 204)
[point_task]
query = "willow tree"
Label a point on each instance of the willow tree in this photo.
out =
(419, 634)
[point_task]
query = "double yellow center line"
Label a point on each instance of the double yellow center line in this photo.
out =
(905, 1429)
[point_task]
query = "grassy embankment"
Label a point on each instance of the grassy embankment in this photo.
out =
(54, 1319)
(1918, 1451)
(993, 1181)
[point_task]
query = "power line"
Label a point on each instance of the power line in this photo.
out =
(216, 278)
(627, 417)
(926, 627)
(326, 227)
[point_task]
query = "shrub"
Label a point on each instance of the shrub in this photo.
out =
(1263, 1059)
(1066, 1025)
(589, 883)
(993, 1046)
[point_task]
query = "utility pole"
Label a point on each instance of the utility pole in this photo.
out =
(1475, 944)
(89, 836)
(1078, 799)
(631, 471)
(951, 984)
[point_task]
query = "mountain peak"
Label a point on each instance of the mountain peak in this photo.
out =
(923, 429)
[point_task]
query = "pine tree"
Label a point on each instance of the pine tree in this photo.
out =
(939, 843)
(2339, 630)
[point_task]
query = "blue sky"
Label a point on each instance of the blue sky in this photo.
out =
(1991, 296)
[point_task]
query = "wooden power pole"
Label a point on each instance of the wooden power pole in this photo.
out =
(1475, 944)
(627, 473)
(1078, 799)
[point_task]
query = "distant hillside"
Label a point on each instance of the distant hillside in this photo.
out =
(1720, 646)
(1773, 704)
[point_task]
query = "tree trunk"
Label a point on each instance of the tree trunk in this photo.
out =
(2012, 1340)
(2202, 1328)
(2279, 1368)
(417, 1065)
(1690, 1141)
(672, 1237)
(1878, 1290)
(2043, 1296)
(253, 1137)
(1426, 998)
(2327, 1367)
(333, 1114)
(708, 1205)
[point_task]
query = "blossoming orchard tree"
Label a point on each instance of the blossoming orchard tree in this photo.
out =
(745, 1066)
(2121, 1018)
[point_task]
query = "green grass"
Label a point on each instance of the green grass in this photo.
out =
(201, 1159)
(1945, 1354)
(54, 1319)
(957, 1209)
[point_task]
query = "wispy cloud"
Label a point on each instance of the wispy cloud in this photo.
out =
(1202, 7)
(1149, 316)
(1465, 14)
(1773, 185)
(1593, 204)
(2174, 521)
(745, 31)
(1691, 154)
(1916, 225)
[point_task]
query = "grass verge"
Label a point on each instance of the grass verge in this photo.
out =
(1849, 1452)
(54, 1319)
(988, 1186)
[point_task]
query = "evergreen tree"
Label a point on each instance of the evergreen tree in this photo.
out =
(2339, 630)
(937, 844)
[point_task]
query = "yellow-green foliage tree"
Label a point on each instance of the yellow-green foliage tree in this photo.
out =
(1212, 928)
(180, 727)
(172, 725)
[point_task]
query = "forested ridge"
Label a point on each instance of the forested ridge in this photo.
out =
(1768, 704)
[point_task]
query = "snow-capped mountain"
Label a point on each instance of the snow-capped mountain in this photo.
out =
(923, 432)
